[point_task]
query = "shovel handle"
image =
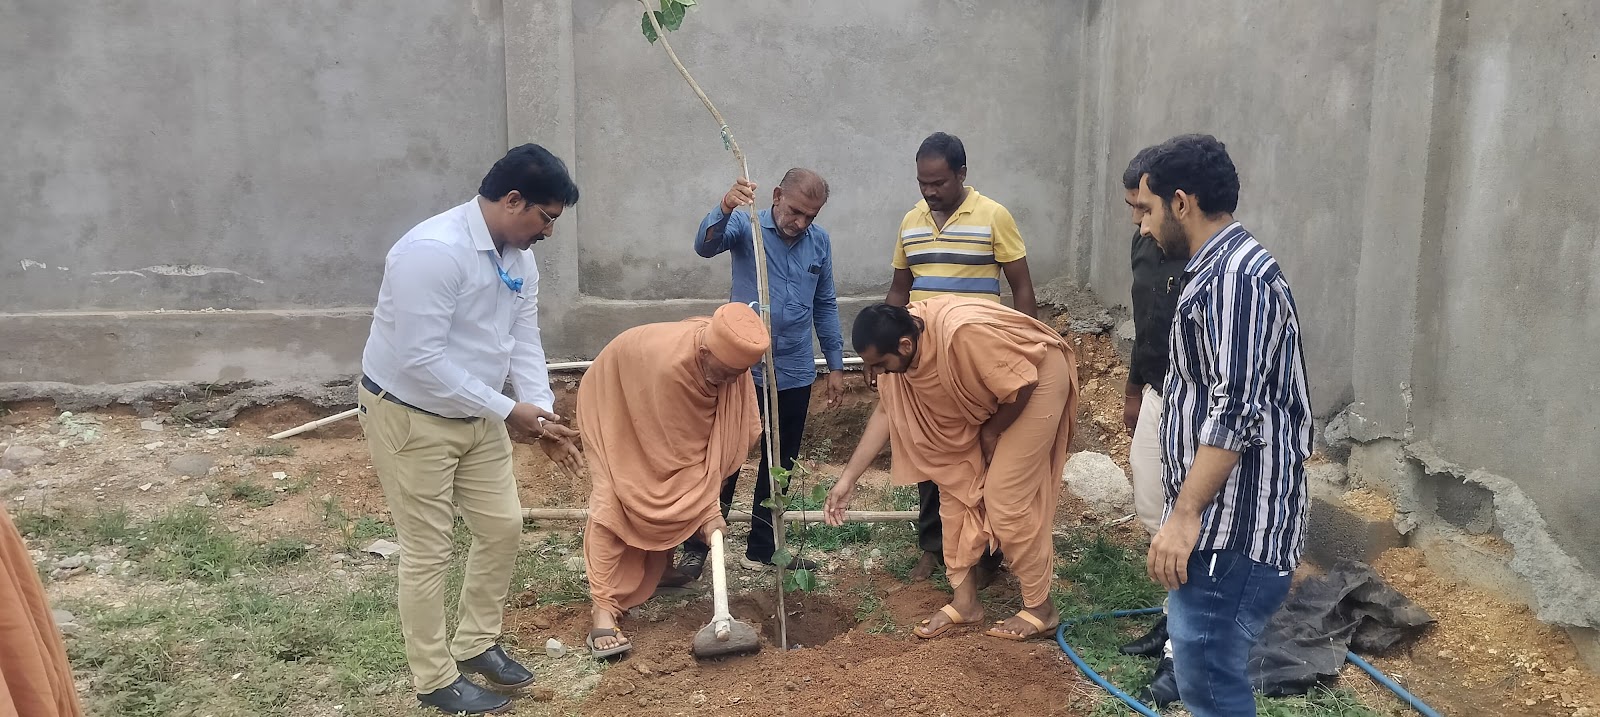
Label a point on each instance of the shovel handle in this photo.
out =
(719, 582)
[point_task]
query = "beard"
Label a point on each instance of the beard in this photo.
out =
(1172, 239)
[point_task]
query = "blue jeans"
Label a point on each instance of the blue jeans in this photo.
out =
(1213, 620)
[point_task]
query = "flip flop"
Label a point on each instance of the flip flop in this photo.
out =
(608, 652)
(955, 622)
(1040, 629)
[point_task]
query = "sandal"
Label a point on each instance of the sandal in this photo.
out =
(600, 632)
(955, 622)
(1040, 629)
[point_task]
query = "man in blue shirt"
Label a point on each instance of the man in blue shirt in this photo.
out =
(800, 285)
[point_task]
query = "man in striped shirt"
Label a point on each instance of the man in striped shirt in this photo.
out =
(1236, 430)
(954, 241)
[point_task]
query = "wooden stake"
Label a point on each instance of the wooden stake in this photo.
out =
(766, 315)
(742, 516)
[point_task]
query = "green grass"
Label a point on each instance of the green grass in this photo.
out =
(273, 450)
(184, 543)
(1104, 576)
(246, 647)
(355, 533)
(1320, 702)
(871, 611)
(542, 568)
(248, 491)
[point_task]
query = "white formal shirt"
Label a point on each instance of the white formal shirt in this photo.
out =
(447, 330)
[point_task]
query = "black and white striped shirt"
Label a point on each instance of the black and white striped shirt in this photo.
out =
(1238, 382)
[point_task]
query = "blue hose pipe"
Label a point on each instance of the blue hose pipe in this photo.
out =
(1061, 640)
(1143, 709)
(1382, 679)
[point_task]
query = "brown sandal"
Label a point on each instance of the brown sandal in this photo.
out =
(1040, 629)
(955, 622)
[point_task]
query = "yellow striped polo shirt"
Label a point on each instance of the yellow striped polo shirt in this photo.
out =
(964, 257)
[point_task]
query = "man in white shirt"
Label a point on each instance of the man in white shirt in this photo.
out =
(458, 311)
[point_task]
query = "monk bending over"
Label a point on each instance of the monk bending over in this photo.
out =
(979, 399)
(666, 412)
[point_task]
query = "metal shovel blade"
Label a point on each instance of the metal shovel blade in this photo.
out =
(723, 635)
(739, 639)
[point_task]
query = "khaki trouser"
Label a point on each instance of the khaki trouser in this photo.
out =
(426, 464)
(1144, 458)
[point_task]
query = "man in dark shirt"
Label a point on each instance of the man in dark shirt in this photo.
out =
(1156, 285)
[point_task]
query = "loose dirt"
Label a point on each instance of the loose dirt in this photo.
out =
(846, 669)
(1485, 656)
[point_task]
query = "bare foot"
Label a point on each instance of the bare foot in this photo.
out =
(941, 620)
(1016, 625)
(925, 567)
(605, 633)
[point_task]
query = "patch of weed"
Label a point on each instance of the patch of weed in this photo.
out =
(248, 491)
(271, 450)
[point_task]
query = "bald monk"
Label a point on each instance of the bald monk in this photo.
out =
(35, 680)
(666, 412)
(978, 398)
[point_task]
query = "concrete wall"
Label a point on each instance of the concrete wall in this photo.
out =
(262, 157)
(1421, 168)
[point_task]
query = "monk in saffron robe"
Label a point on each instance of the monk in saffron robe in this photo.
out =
(980, 399)
(667, 411)
(35, 680)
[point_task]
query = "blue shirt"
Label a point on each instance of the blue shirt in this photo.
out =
(1238, 382)
(800, 284)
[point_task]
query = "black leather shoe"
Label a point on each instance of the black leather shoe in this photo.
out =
(462, 696)
(1153, 642)
(1163, 688)
(498, 669)
(691, 564)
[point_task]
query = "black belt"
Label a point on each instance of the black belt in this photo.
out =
(378, 391)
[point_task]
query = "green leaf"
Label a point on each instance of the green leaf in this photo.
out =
(671, 15)
(782, 557)
(649, 31)
(819, 493)
(769, 504)
(801, 580)
(685, 3)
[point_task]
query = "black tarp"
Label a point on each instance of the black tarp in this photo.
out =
(1349, 608)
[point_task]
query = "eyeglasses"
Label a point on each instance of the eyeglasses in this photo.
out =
(547, 218)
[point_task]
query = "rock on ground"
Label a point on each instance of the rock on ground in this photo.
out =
(20, 458)
(193, 465)
(1100, 482)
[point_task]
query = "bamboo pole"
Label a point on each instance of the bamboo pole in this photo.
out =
(771, 374)
(559, 366)
(742, 516)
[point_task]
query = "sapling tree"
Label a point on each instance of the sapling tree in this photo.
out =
(655, 24)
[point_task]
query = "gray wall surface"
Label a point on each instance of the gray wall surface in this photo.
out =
(1421, 169)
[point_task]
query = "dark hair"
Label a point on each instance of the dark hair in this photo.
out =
(539, 176)
(881, 326)
(805, 182)
(947, 146)
(1138, 166)
(1199, 165)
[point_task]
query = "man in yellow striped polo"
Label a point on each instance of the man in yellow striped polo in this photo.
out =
(954, 241)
